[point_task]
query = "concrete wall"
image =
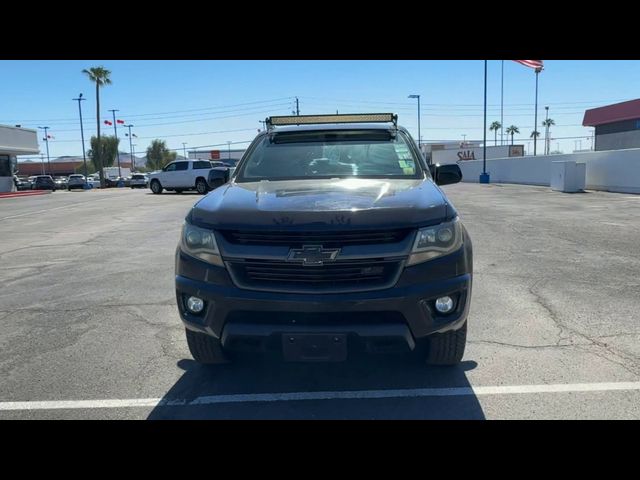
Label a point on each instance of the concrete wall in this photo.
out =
(618, 140)
(613, 171)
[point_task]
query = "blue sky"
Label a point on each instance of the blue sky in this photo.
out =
(208, 102)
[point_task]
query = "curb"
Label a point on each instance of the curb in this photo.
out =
(23, 194)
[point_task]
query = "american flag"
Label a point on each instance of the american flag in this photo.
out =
(537, 64)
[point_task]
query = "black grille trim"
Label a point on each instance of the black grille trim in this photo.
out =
(342, 276)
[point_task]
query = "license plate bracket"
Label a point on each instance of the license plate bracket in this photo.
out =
(314, 347)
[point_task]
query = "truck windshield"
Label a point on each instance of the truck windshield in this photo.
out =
(330, 154)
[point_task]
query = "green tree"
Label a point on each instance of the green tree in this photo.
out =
(158, 155)
(495, 126)
(106, 154)
(512, 130)
(547, 123)
(534, 134)
(100, 76)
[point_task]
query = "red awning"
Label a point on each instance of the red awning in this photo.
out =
(612, 113)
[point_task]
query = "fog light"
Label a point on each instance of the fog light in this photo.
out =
(444, 304)
(195, 304)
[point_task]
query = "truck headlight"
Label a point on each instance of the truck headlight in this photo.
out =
(201, 244)
(436, 241)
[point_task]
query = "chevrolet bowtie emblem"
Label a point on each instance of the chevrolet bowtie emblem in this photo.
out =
(310, 255)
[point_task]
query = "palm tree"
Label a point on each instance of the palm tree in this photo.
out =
(547, 123)
(511, 131)
(534, 134)
(495, 126)
(100, 76)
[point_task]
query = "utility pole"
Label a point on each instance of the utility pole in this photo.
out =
(46, 139)
(42, 162)
(229, 150)
(297, 107)
(115, 130)
(131, 147)
(84, 156)
(184, 149)
(546, 132)
(133, 150)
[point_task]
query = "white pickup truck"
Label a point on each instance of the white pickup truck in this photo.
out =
(180, 176)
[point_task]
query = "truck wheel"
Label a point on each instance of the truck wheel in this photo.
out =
(201, 186)
(156, 187)
(205, 349)
(447, 348)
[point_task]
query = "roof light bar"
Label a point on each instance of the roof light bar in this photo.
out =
(340, 118)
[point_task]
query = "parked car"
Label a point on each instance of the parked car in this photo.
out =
(180, 176)
(331, 236)
(139, 180)
(76, 181)
(44, 182)
(61, 182)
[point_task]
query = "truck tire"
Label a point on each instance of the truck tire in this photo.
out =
(201, 186)
(447, 348)
(205, 349)
(156, 187)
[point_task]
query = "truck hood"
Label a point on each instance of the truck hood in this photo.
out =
(318, 203)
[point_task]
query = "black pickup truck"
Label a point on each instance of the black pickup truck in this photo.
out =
(331, 235)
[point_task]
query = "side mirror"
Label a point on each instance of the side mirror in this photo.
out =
(447, 174)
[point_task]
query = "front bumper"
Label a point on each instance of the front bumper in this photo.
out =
(404, 311)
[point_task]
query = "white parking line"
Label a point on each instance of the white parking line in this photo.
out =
(298, 396)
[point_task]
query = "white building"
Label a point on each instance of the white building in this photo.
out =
(453, 152)
(224, 154)
(14, 141)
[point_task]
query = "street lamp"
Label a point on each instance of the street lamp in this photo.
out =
(419, 132)
(84, 156)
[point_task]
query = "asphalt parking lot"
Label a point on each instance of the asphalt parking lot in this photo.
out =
(89, 326)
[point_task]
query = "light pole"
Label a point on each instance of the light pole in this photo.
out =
(131, 147)
(228, 150)
(464, 139)
(484, 176)
(419, 132)
(46, 139)
(184, 149)
(264, 124)
(84, 156)
(115, 130)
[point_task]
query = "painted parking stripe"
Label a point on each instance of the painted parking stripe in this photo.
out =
(340, 395)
